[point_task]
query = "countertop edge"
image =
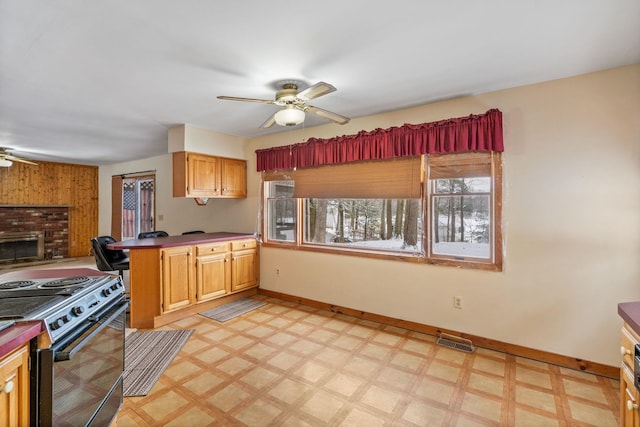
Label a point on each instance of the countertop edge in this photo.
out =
(630, 313)
(18, 335)
(180, 240)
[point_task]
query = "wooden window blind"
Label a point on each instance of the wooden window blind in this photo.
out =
(463, 165)
(398, 178)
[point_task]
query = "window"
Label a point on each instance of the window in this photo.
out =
(391, 225)
(379, 208)
(461, 217)
(281, 211)
(464, 193)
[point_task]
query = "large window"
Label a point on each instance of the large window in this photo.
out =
(368, 224)
(438, 209)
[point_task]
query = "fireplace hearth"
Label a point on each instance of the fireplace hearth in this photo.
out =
(21, 246)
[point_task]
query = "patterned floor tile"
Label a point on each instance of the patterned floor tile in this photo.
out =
(286, 364)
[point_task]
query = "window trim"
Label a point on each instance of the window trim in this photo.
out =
(424, 257)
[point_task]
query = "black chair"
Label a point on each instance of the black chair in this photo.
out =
(109, 259)
(150, 234)
(193, 232)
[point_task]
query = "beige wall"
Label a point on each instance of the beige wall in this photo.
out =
(571, 222)
(571, 225)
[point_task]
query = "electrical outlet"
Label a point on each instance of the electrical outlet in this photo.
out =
(457, 302)
(277, 271)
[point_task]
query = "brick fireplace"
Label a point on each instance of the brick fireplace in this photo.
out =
(30, 233)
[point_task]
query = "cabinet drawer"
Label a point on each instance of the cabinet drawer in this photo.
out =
(628, 341)
(239, 245)
(212, 248)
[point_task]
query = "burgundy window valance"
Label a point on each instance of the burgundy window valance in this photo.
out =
(471, 133)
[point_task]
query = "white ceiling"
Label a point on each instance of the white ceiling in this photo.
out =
(100, 82)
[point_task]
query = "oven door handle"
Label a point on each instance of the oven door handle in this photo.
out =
(67, 353)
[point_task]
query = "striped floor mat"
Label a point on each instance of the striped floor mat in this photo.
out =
(146, 356)
(233, 309)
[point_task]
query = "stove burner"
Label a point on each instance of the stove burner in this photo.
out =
(16, 284)
(63, 283)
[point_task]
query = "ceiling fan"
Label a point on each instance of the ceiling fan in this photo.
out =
(295, 104)
(6, 159)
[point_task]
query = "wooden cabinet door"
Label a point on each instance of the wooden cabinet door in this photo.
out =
(213, 276)
(14, 388)
(243, 269)
(629, 403)
(234, 178)
(177, 278)
(203, 175)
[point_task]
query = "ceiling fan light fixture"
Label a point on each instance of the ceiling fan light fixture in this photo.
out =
(4, 163)
(289, 116)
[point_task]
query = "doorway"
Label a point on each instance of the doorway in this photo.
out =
(133, 205)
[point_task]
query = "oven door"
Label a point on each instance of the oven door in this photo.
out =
(81, 376)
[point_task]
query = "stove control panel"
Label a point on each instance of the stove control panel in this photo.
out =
(80, 308)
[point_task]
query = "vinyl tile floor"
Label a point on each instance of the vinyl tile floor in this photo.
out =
(286, 364)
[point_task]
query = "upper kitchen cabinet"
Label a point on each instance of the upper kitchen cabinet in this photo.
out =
(233, 178)
(202, 176)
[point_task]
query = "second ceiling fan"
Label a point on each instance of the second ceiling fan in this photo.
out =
(295, 104)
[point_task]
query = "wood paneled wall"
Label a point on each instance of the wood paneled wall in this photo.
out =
(53, 184)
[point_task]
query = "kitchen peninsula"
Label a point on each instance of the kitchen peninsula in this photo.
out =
(177, 276)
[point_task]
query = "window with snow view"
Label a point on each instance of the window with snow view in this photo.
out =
(439, 209)
(461, 214)
(393, 225)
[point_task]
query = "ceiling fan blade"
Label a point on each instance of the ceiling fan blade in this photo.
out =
(270, 121)
(327, 114)
(18, 159)
(235, 98)
(318, 89)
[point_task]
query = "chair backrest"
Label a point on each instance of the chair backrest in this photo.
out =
(193, 232)
(150, 234)
(105, 257)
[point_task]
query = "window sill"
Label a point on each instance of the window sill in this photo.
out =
(413, 258)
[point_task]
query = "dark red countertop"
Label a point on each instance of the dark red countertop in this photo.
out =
(630, 312)
(53, 273)
(181, 240)
(17, 335)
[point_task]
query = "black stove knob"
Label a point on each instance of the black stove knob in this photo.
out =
(57, 324)
(106, 292)
(115, 287)
(77, 311)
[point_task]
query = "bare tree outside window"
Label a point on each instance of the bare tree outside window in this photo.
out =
(365, 223)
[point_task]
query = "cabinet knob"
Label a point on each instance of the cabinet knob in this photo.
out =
(8, 387)
(624, 351)
(632, 406)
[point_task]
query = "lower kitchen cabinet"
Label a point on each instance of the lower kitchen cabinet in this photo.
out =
(14, 388)
(213, 271)
(244, 262)
(628, 399)
(178, 289)
(196, 274)
(629, 395)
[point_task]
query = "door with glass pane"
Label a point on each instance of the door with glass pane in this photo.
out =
(138, 206)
